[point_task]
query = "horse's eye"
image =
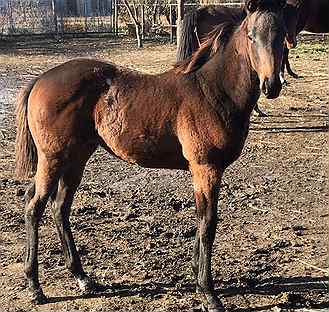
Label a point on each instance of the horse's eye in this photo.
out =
(250, 36)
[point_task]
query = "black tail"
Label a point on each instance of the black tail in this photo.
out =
(189, 41)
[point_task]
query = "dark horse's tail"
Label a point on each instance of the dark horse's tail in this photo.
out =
(189, 40)
(26, 152)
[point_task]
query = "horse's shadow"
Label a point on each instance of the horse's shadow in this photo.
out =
(276, 286)
(296, 286)
(292, 129)
(290, 124)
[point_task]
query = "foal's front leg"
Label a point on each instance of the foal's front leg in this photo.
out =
(206, 180)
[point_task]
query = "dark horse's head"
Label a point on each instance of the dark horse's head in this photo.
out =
(265, 30)
(291, 16)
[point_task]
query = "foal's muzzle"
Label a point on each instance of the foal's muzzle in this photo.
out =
(271, 87)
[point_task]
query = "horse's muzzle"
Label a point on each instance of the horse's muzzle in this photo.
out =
(291, 42)
(271, 88)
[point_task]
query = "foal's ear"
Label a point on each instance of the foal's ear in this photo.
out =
(251, 5)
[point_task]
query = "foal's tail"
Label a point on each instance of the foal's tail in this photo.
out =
(26, 152)
(189, 40)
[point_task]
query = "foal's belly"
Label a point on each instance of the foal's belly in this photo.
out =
(147, 147)
(150, 151)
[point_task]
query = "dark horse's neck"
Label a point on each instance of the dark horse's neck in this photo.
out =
(228, 80)
(313, 16)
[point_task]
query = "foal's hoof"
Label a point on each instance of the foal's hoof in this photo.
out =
(37, 296)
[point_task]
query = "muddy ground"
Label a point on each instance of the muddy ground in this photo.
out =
(134, 227)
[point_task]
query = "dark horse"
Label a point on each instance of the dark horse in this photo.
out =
(198, 24)
(309, 15)
(193, 117)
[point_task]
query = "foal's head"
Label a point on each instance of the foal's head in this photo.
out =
(265, 32)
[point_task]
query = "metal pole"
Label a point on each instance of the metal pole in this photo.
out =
(85, 13)
(62, 17)
(171, 24)
(54, 9)
(143, 21)
(116, 17)
(11, 20)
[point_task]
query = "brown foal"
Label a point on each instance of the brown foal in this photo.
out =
(194, 117)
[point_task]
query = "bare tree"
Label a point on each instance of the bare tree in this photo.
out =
(180, 17)
(132, 9)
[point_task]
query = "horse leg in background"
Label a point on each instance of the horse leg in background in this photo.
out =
(286, 65)
(45, 181)
(283, 64)
(61, 207)
(206, 180)
(259, 111)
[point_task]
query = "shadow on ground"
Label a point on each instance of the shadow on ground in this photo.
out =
(293, 288)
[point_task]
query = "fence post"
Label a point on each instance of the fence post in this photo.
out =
(54, 9)
(171, 23)
(61, 12)
(142, 21)
(85, 11)
(116, 24)
(11, 19)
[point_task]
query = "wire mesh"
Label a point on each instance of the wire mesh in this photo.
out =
(81, 16)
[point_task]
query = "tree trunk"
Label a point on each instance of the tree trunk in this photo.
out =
(179, 21)
(133, 16)
(138, 36)
(154, 13)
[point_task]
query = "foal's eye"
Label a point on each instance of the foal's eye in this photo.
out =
(250, 36)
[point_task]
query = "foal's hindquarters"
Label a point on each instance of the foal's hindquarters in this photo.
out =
(59, 120)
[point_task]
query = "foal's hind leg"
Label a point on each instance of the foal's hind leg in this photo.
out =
(61, 207)
(36, 199)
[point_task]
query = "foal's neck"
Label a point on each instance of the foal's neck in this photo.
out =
(231, 77)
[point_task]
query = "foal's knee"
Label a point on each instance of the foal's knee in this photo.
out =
(29, 193)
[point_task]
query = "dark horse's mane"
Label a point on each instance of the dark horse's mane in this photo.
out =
(216, 39)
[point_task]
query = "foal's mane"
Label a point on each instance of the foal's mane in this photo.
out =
(216, 39)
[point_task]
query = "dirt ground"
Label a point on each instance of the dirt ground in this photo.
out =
(134, 227)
